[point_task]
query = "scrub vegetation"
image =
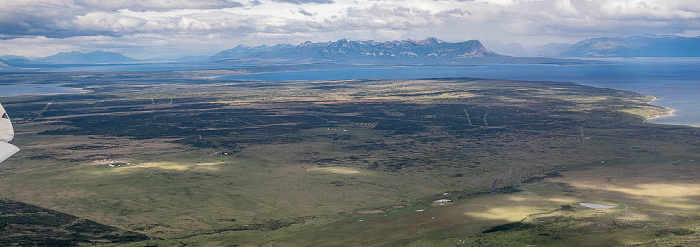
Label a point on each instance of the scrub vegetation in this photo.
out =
(190, 160)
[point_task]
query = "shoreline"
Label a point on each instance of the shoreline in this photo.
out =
(670, 111)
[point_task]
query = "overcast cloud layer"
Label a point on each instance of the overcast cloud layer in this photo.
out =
(173, 28)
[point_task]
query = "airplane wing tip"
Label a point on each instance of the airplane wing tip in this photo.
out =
(7, 150)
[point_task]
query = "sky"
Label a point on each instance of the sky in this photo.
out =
(174, 28)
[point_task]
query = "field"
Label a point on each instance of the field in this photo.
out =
(189, 160)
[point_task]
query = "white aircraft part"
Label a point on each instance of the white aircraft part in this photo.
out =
(7, 150)
(7, 133)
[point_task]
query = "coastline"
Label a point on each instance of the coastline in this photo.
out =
(670, 116)
(669, 113)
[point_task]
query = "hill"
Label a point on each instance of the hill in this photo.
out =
(243, 51)
(76, 57)
(636, 46)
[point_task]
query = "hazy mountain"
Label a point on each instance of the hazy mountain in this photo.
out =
(76, 57)
(18, 61)
(514, 49)
(636, 46)
(12, 60)
(243, 51)
(192, 58)
(428, 51)
(549, 49)
(508, 49)
(8, 57)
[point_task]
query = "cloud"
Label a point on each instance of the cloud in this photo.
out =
(109, 22)
(221, 24)
(379, 17)
(25, 18)
(156, 5)
(305, 1)
(306, 13)
(66, 18)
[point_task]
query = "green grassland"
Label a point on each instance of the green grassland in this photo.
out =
(189, 160)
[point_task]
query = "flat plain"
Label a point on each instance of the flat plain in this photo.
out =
(191, 160)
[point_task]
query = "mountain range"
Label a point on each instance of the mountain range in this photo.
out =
(428, 51)
(636, 46)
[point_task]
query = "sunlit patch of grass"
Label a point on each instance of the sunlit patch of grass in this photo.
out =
(632, 217)
(564, 200)
(160, 165)
(660, 190)
(338, 170)
(582, 100)
(453, 95)
(508, 208)
(163, 165)
(647, 111)
(512, 100)
(507, 213)
(649, 184)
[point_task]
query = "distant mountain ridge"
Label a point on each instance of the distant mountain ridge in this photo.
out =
(427, 52)
(636, 46)
(430, 50)
(76, 57)
(242, 51)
